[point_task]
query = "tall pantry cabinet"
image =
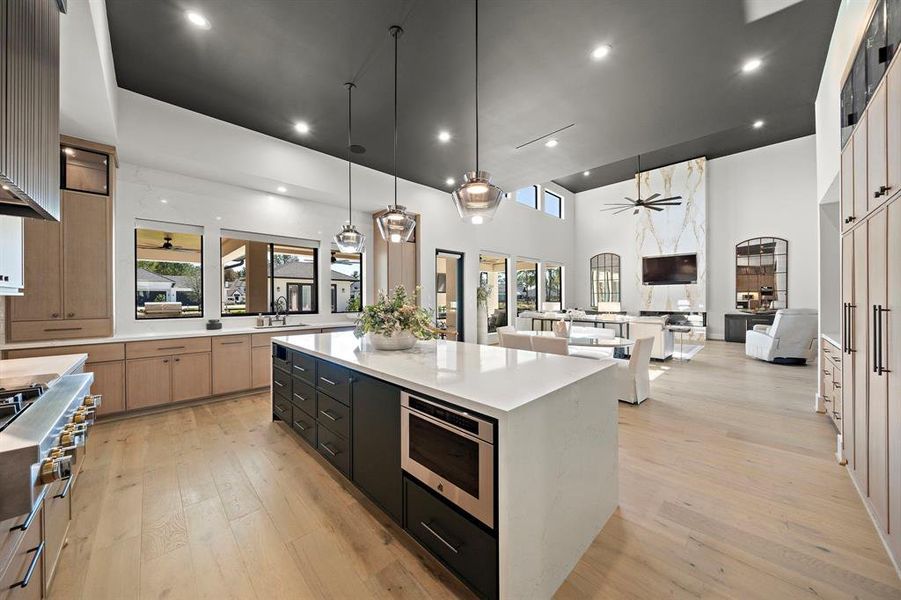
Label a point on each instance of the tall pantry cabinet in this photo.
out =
(871, 300)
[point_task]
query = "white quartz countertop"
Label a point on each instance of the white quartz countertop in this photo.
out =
(488, 379)
(139, 337)
(25, 368)
(833, 338)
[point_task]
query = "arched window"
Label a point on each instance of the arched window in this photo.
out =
(605, 279)
(761, 274)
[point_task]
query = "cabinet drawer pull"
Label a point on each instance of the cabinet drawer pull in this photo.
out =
(837, 416)
(451, 547)
(55, 315)
(171, 348)
(328, 381)
(300, 425)
(67, 489)
(826, 372)
(281, 409)
(231, 343)
(299, 397)
(329, 414)
(28, 520)
(278, 383)
(299, 368)
(324, 446)
(63, 329)
(38, 551)
(836, 385)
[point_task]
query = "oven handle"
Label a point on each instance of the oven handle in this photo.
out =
(443, 425)
(405, 404)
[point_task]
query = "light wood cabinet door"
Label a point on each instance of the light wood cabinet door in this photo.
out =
(893, 130)
(231, 364)
(86, 259)
(893, 364)
(876, 150)
(847, 186)
(848, 342)
(860, 327)
(109, 381)
(861, 188)
(877, 412)
(190, 376)
(261, 359)
(43, 298)
(148, 381)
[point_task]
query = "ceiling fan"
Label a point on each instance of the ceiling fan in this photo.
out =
(651, 202)
(166, 245)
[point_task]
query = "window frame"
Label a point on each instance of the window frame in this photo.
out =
(545, 193)
(271, 277)
(135, 271)
(548, 267)
(537, 271)
(593, 299)
(534, 204)
(334, 286)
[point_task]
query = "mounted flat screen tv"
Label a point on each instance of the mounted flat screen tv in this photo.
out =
(675, 269)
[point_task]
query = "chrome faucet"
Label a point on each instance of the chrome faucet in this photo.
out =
(281, 304)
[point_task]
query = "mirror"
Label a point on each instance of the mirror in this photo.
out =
(761, 274)
(605, 278)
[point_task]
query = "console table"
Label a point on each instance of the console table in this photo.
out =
(738, 324)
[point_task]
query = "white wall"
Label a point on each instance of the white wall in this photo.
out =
(762, 192)
(206, 169)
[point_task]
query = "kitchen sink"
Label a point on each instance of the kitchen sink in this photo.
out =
(280, 326)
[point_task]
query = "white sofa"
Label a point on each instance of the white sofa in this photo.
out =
(653, 327)
(790, 339)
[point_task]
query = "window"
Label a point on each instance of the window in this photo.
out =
(493, 275)
(168, 274)
(553, 204)
(526, 286)
(605, 278)
(260, 276)
(553, 287)
(347, 282)
(527, 196)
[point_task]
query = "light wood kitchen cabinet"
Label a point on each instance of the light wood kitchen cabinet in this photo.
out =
(149, 382)
(893, 364)
(847, 186)
(876, 150)
(860, 322)
(848, 354)
(231, 364)
(109, 382)
(87, 255)
(877, 388)
(43, 273)
(859, 141)
(261, 366)
(190, 376)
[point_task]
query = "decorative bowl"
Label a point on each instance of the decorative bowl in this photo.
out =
(401, 340)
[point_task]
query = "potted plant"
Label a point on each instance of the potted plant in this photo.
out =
(482, 294)
(395, 322)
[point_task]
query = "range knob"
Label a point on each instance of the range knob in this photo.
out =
(67, 437)
(92, 401)
(55, 468)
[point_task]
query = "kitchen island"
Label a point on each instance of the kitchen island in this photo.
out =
(502, 463)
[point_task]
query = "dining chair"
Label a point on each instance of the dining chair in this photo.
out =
(550, 344)
(517, 341)
(633, 374)
(505, 330)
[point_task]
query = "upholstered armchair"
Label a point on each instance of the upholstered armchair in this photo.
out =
(791, 339)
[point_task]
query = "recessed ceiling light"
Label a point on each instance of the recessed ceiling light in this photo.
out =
(444, 136)
(586, 173)
(282, 189)
(69, 151)
(218, 218)
(197, 20)
(450, 181)
(164, 201)
(751, 65)
(758, 124)
(301, 127)
(600, 52)
(551, 143)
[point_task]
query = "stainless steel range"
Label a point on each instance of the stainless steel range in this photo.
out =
(43, 427)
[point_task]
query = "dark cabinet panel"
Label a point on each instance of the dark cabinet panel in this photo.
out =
(334, 448)
(333, 414)
(376, 442)
(281, 383)
(463, 546)
(304, 367)
(281, 408)
(304, 397)
(334, 380)
(304, 425)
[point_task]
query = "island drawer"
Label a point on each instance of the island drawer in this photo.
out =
(334, 381)
(281, 408)
(304, 367)
(333, 415)
(459, 543)
(281, 357)
(281, 383)
(334, 448)
(304, 397)
(304, 425)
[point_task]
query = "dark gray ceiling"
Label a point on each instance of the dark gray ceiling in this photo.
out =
(671, 88)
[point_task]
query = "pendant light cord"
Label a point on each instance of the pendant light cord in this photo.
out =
(396, 34)
(350, 86)
(477, 85)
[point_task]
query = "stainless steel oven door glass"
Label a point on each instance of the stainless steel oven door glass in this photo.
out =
(450, 451)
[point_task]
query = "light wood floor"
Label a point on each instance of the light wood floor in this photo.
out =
(728, 490)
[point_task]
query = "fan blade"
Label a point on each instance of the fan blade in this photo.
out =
(622, 210)
(618, 204)
(635, 212)
(651, 197)
(615, 208)
(665, 204)
(629, 199)
(654, 208)
(664, 199)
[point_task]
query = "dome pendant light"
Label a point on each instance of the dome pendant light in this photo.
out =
(477, 198)
(349, 239)
(395, 224)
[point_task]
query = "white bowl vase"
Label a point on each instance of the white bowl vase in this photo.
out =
(401, 340)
